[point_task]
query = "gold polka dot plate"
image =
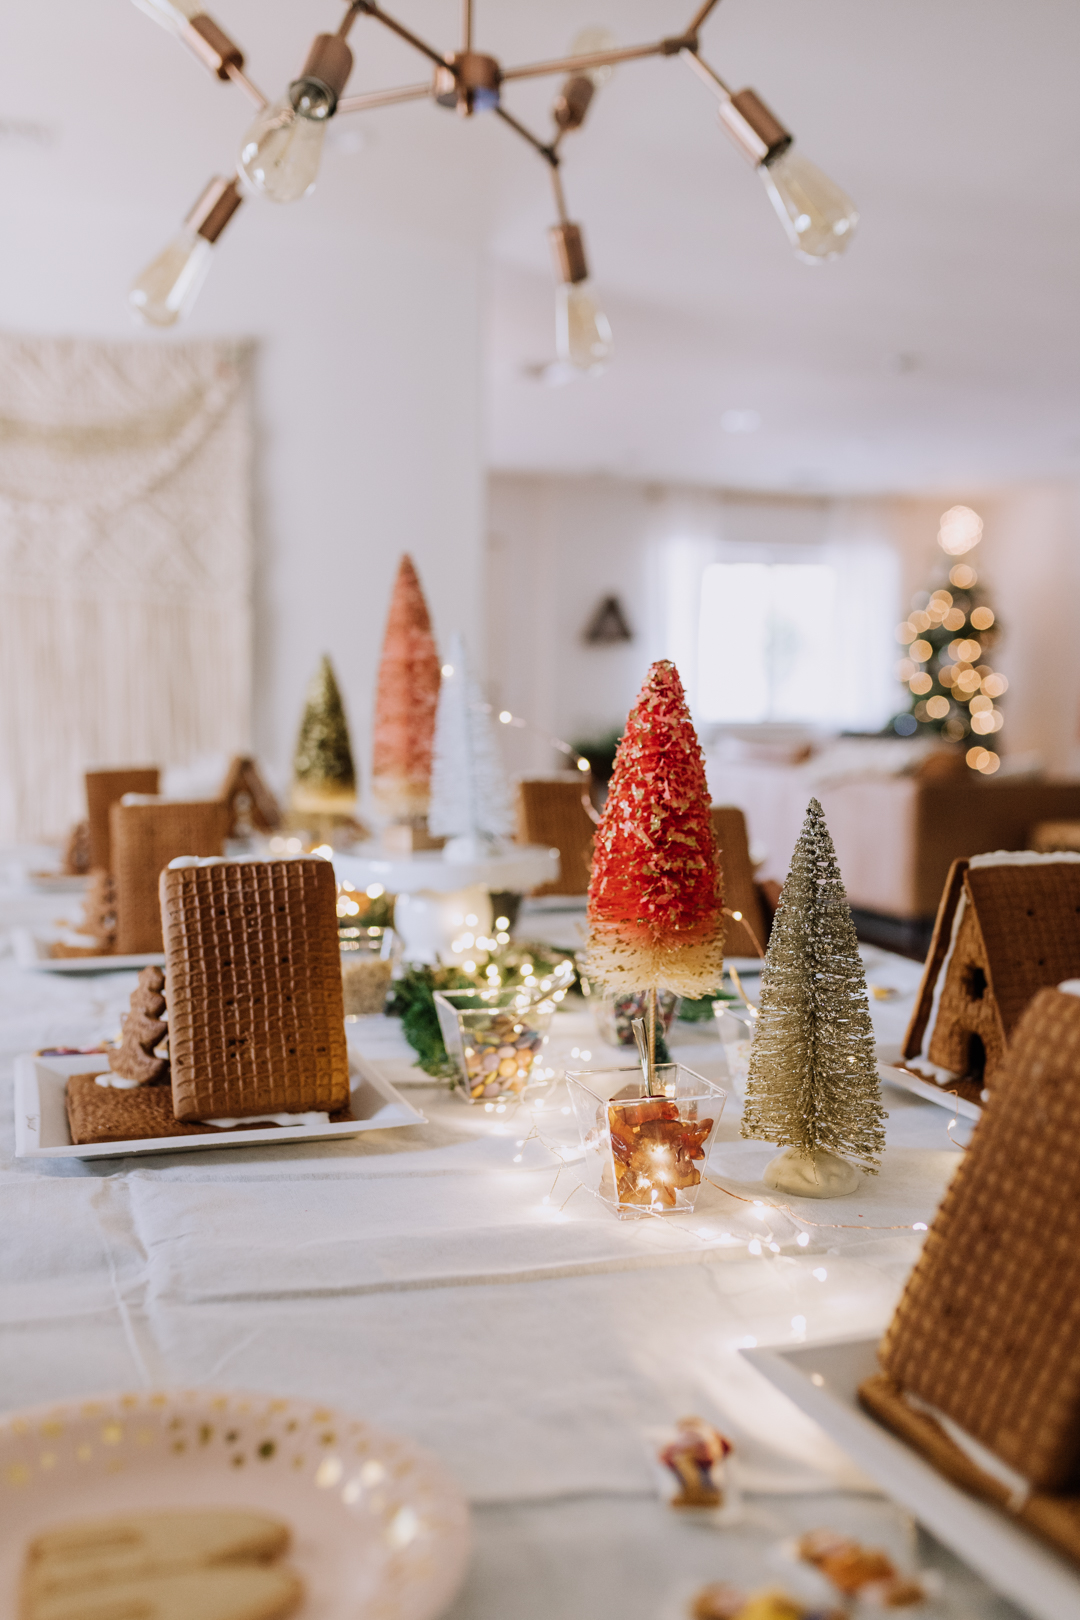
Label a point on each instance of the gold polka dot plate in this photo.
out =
(380, 1528)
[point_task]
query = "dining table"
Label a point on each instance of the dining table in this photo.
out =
(455, 1282)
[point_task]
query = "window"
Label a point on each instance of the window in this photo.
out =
(767, 642)
(782, 621)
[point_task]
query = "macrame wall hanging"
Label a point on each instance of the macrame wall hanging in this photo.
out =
(125, 564)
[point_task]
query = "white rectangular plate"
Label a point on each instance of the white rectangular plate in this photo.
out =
(32, 952)
(41, 1126)
(822, 1380)
(57, 882)
(923, 1088)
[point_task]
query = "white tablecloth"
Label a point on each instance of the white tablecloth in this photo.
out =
(448, 1281)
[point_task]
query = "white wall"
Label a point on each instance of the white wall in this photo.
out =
(558, 544)
(364, 301)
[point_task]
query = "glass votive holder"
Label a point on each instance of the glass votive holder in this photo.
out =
(367, 966)
(494, 1038)
(645, 1154)
(735, 1027)
(614, 1015)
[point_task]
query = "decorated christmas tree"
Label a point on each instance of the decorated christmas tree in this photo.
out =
(813, 1083)
(324, 778)
(470, 801)
(948, 634)
(655, 901)
(406, 699)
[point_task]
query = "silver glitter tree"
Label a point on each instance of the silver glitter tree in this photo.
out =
(813, 1083)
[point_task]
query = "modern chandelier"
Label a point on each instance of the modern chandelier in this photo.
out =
(280, 154)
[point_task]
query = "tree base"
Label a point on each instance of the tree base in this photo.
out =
(811, 1175)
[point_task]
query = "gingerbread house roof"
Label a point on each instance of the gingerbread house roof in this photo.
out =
(987, 1331)
(256, 1015)
(1026, 911)
(243, 777)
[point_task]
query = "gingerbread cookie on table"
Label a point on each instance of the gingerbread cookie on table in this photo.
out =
(217, 1564)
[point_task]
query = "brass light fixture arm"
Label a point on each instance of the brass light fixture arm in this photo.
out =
(384, 98)
(242, 82)
(560, 195)
(595, 59)
(466, 25)
(548, 153)
(706, 74)
(370, 9)
(349, 18)
(695, 26)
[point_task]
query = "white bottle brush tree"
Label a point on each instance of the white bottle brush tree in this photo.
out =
(470, 801)
(813, 1084)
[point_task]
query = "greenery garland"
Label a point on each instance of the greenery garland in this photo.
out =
(412, 997)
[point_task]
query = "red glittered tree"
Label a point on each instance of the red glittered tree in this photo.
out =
(405, 702)
(655, 900)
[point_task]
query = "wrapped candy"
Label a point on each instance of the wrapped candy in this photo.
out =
(696, 1459)
(865, 1575)
(721, 1601)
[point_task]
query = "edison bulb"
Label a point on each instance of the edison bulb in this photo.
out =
(171, 13)
(166, 289)
(282, 149)
(818, 217)
(582, 333)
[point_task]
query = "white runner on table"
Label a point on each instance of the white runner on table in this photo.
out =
(446, 1280)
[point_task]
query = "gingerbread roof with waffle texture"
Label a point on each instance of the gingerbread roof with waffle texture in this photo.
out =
(655, 898)
(256, 1015)
(988, 1328)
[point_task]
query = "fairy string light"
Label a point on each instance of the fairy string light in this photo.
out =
(506, 718)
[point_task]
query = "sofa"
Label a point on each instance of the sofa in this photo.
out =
(899, 816)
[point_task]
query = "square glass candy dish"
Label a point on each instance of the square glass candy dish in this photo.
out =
(645, 1155)
(494, 1038)
(367, 966)
(614, 1015)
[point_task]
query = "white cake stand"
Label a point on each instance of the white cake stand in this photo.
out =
(443, 906)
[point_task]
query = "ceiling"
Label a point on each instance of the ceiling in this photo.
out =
(941, 353)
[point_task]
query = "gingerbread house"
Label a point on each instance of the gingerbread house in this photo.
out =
(1008, 925)
(746, 925)
(980, 1366)
(255, 1019)
(251, 804)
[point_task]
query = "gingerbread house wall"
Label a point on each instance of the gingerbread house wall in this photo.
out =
(968, 1012)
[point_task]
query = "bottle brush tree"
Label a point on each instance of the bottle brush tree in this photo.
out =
(406, 699)
(324, 777)
(655, 898)
(470, 800)
(813, 1084)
